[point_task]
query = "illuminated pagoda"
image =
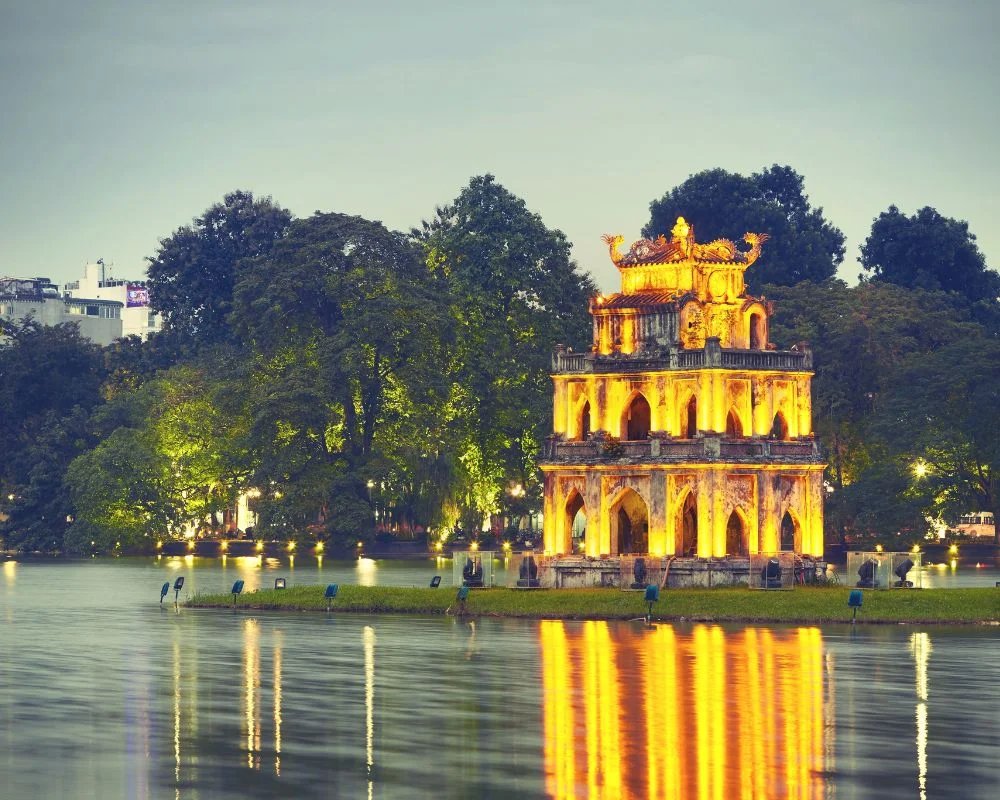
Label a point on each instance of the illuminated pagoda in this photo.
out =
(683, 432)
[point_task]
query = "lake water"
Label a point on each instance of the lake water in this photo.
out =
(103, 693)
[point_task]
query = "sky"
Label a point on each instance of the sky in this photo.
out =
(120, 121)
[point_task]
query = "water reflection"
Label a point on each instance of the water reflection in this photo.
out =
(920, 647)
(704, 713)
(105, 694)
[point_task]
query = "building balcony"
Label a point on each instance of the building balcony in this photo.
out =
(661, 450)
(675, 358)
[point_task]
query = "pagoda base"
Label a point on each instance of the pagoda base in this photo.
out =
(579, 572)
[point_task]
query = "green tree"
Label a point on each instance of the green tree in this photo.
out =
(928, 251)
(724, 205)
(50, 379)
(174, 452)
(861, 337)
(516, 294)
(943, 421)
(192, 275)
(350, 330)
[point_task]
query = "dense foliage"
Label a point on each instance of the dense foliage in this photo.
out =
(803, 246)
(352, 379)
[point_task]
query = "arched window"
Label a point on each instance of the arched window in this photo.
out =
(576, 520)
(585, 421)
(736, 536)
(779, 428)
(756, 332)
(787, 532)
(689, 419)
(734, 428)
(687, 545)
(630, 524)
(636, 422)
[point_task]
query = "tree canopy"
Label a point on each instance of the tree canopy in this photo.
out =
(192, 275)
(515, 293)
(725, 205)
(349, 327)
(353, 380)
(928, 251)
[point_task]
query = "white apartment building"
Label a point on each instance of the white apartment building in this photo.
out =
(138, 319)
(98, 320)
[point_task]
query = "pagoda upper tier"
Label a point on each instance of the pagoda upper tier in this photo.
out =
(676, 293)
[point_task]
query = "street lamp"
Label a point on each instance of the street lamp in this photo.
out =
(920, 468)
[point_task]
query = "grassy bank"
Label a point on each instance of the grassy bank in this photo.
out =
(736, 605)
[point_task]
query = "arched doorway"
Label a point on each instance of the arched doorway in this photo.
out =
(756, 332)
(779, 428)
(687, 528)
(689, 419)
(787, 532)
(585, 421)
(575, 520)
(736, 536)
(635, 424)
(734, 428)
(629, 524)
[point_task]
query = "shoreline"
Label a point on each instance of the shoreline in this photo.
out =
(802, 606)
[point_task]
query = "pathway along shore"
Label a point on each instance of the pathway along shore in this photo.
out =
(807, 605)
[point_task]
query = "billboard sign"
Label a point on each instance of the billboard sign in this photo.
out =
(136, 296)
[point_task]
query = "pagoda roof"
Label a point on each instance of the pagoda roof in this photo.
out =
(682, 247)
(638, 300)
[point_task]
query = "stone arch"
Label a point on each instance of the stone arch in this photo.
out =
(758, 331)
(789, 533)
(575, 509)
(583, 423)
(636, 418)
(689, 418)
(779, 427)
(686, 537)
(737, 534)
(629, 517)
(734, 425)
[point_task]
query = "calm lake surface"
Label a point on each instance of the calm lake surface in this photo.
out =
(103, 693)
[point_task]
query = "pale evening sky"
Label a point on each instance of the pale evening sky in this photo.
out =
(122, 120)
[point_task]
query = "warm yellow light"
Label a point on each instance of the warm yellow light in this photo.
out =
(191, 545)
(260, 546)
(506, 545)
(474, 546)
(223, 545)
(371, 484)
(361, 544)
(878, 548)
(439, 547)
(291, 546)
(319, 547)
(953, 549)
(159, 545)
(954, 563)
(916, 548)
(920, 469)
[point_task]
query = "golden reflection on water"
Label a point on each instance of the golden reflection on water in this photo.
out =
(369, 643)
(278, 641)
(920, 647)
(662, 713)
(251, 693)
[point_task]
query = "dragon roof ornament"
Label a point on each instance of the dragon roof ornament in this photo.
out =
(682, 247)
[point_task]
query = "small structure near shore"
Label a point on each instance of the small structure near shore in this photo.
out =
(683, 437)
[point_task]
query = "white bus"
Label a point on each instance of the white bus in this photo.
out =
(978, 523)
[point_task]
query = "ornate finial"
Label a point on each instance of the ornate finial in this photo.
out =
(681, 230)
(613, 241)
